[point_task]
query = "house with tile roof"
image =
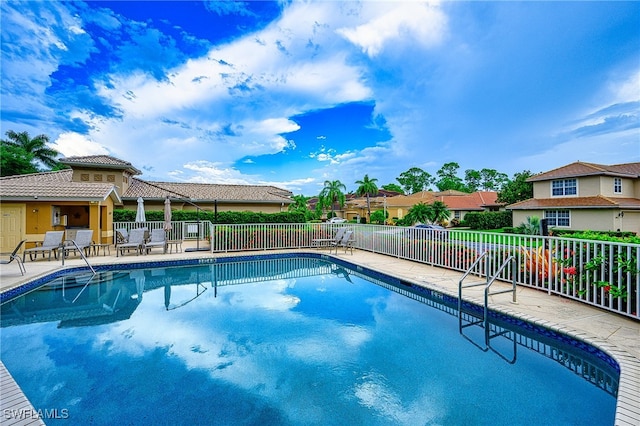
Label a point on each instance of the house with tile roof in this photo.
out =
(85, 195)
(459, 203)
(585, 196)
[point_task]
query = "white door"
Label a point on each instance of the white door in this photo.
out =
(11, 233)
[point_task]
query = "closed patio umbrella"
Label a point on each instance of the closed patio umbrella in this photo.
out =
(167, 215)
(140, 217)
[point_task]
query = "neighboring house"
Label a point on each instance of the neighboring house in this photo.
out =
(85, 196)
(458, 203)
(585, 196)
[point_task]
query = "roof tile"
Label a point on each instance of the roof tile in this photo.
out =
(576, 202)
(631, 170)
(207, 191)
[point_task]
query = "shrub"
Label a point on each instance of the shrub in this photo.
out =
(488, 220)
(228, 217)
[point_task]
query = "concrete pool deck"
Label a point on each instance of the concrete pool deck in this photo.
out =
(617, 335)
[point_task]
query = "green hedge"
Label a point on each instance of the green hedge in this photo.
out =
(228, 217)
(488, 220)
(611, 236)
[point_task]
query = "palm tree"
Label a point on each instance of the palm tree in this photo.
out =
(367, 187)
(332, 193)
(299, 203)
(37, 147)
(439, 212)
(420, 212)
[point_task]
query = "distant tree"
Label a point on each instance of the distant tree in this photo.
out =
(393, 187)
(14, 160)
(492, 180)
(367, 187)
(472, 180)
(415, 180)
(516, 189)
(485, 179)
(449, 179)
(333, 192)
(37, 147)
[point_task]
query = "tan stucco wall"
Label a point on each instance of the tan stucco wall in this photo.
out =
(541, 189)
(593, 220)
(121, 179)
(628, 189)
(589, 186)
(39, 219)
(590, 219)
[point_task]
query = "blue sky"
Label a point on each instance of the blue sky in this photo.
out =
(295, 93)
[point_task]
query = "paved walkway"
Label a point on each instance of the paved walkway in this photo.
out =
(617, 335)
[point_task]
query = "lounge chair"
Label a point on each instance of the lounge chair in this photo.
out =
(135, 241)
(122, 236)
(51, 244)
(14, 256)
(346, 241)
(83, 241)
(323, 242)
(158, 239)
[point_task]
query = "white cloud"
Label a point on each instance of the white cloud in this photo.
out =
(626, 89)
(423, 23)
(208, 172)
(597, 149)
(72, 144)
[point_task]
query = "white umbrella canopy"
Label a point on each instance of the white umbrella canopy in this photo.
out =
(167, 215)
(140, 216)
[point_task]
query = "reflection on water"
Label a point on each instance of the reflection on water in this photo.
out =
(303, 331)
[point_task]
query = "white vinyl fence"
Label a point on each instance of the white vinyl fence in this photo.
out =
(603, 274)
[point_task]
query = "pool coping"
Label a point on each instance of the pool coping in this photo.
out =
(628, 398)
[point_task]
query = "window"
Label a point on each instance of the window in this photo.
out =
(557, 217)
(617, 185)
(564, 187)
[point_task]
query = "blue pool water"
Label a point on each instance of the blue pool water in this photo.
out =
(287, 342)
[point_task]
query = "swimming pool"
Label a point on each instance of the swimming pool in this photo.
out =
(288, 340)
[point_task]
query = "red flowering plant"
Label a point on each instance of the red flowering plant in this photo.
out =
(613, 291)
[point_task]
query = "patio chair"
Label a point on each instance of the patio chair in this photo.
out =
(122, 236)
(14, 256)
(135, 241)
(158, 239)
(322, 242)
(83, 240)
(51, 244)
(345, 242)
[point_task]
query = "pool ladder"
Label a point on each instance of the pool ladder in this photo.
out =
(474, 318)
(93, 271)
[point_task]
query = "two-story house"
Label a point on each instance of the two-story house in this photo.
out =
(585, 196)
